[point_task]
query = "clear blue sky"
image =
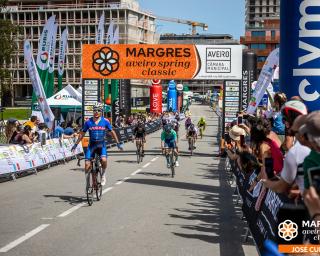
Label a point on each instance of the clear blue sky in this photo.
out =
(222, 16)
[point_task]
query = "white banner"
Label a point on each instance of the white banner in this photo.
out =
(44, 44)
(62, 51)
(52, 47)
(100, 33)
(109, 38)
(37, 85)
(16, 158)
(264, 80)
(220, 62)
(116, 36)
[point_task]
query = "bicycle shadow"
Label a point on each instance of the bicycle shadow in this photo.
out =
(158, 174)
(72, 200)
(126, 161)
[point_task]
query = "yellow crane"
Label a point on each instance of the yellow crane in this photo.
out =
(193, 24)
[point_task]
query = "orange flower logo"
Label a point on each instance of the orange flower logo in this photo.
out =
(288, 230)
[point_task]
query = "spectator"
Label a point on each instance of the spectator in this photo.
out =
(42, 134)
(311, 130)
(33, 123)
(277, 125)
(11, 130)
(235, 134)
(59, 130)
(69, 131)
(293, 159)
(26, 137)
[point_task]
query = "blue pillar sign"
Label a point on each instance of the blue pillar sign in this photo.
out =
(172, 96)
(300, 50)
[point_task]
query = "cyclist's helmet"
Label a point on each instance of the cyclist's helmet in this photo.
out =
(191, 127)
(98, 107)
(167, 128)
(292, 109)
(201, 119)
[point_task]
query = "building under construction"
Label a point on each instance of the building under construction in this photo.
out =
(81, 18)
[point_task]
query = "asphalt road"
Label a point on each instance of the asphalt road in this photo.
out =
(143, 210)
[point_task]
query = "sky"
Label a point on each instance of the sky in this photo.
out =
(222, 16)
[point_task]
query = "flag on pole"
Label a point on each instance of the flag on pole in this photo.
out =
(62, 55)
(100, 33)
(44, 49)
(50, 83)
(264, 80)
(37, 86)
(109, 39)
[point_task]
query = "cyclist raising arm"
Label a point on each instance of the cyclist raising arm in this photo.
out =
(97, 127)
(169, 140)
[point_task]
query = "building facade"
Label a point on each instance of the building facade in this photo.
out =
(201, 86)
(262, 33)
(81, 18)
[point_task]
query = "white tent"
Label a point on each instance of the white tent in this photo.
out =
(66, 97)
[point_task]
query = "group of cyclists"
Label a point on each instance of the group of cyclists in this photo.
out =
(98, 126)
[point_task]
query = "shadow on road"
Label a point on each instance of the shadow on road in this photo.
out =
(73, 200)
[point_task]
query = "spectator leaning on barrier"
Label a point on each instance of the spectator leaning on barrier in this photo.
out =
(58, 131)
(278, 127)
(11, 129)
(235, 134)
(311, 129)
(293, 159)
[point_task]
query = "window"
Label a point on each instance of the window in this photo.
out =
(258, 46)
(258, 33)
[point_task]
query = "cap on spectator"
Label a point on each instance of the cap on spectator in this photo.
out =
(312, 124)
(236, 132)
(298, 122)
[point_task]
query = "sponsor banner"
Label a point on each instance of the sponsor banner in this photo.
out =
(16, 158)
(299, 55)
(232, 93)
(91, 95)
(249, 74)
(161, 61)
(62, 56)
(125, 97)
(100, 33)
(264, 80)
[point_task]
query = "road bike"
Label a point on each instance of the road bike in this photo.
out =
(93, 180)
(171, 159)
(139, 152)
(191, 141)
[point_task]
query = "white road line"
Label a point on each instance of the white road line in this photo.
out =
(126, 178)
(119, 182)
(47, 218)
(137, 171)
(146, 165)
(71, 210)
(154, 159)
(106, 190)
(24, 238)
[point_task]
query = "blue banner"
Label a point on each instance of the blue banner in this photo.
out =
(299, 54)
(172, 96)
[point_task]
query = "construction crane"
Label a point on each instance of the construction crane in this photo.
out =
(193, 24)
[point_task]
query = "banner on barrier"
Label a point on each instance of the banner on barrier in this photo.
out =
(17, 158)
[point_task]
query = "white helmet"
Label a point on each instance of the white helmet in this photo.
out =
(98, 107)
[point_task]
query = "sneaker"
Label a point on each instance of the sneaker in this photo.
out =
(168, 165)
(189, 148)
(194, 147)
(177, 164)
(142, 153)
(103, 179)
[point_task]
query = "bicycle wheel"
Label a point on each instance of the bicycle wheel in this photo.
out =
(138, 153)
(89, 188)
(191, 146)
(172, 163)
(98, 186)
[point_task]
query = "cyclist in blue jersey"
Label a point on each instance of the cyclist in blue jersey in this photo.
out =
(169, 140)
(97, 127)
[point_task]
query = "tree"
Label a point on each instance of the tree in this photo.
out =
(8, 44)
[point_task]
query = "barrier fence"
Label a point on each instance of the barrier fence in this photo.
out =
(15, 159)
(264, 210)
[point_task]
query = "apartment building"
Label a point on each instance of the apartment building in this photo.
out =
(81, 18)
(262, 33)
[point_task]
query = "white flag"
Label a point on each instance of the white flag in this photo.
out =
(100, 33)
(264, 80)
(52, 47)
(116, 36)
(44, 44)
(62, 51)
(37, 86)
(109, 39)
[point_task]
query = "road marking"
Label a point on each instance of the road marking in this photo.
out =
(119, 182)
(71, 210)
(126, 178)
(47, 218)
(137, 171)
(24, 238)
(146, 165)
(154, 159)
(106, 190)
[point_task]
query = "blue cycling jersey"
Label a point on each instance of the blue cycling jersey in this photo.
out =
(97, 132)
